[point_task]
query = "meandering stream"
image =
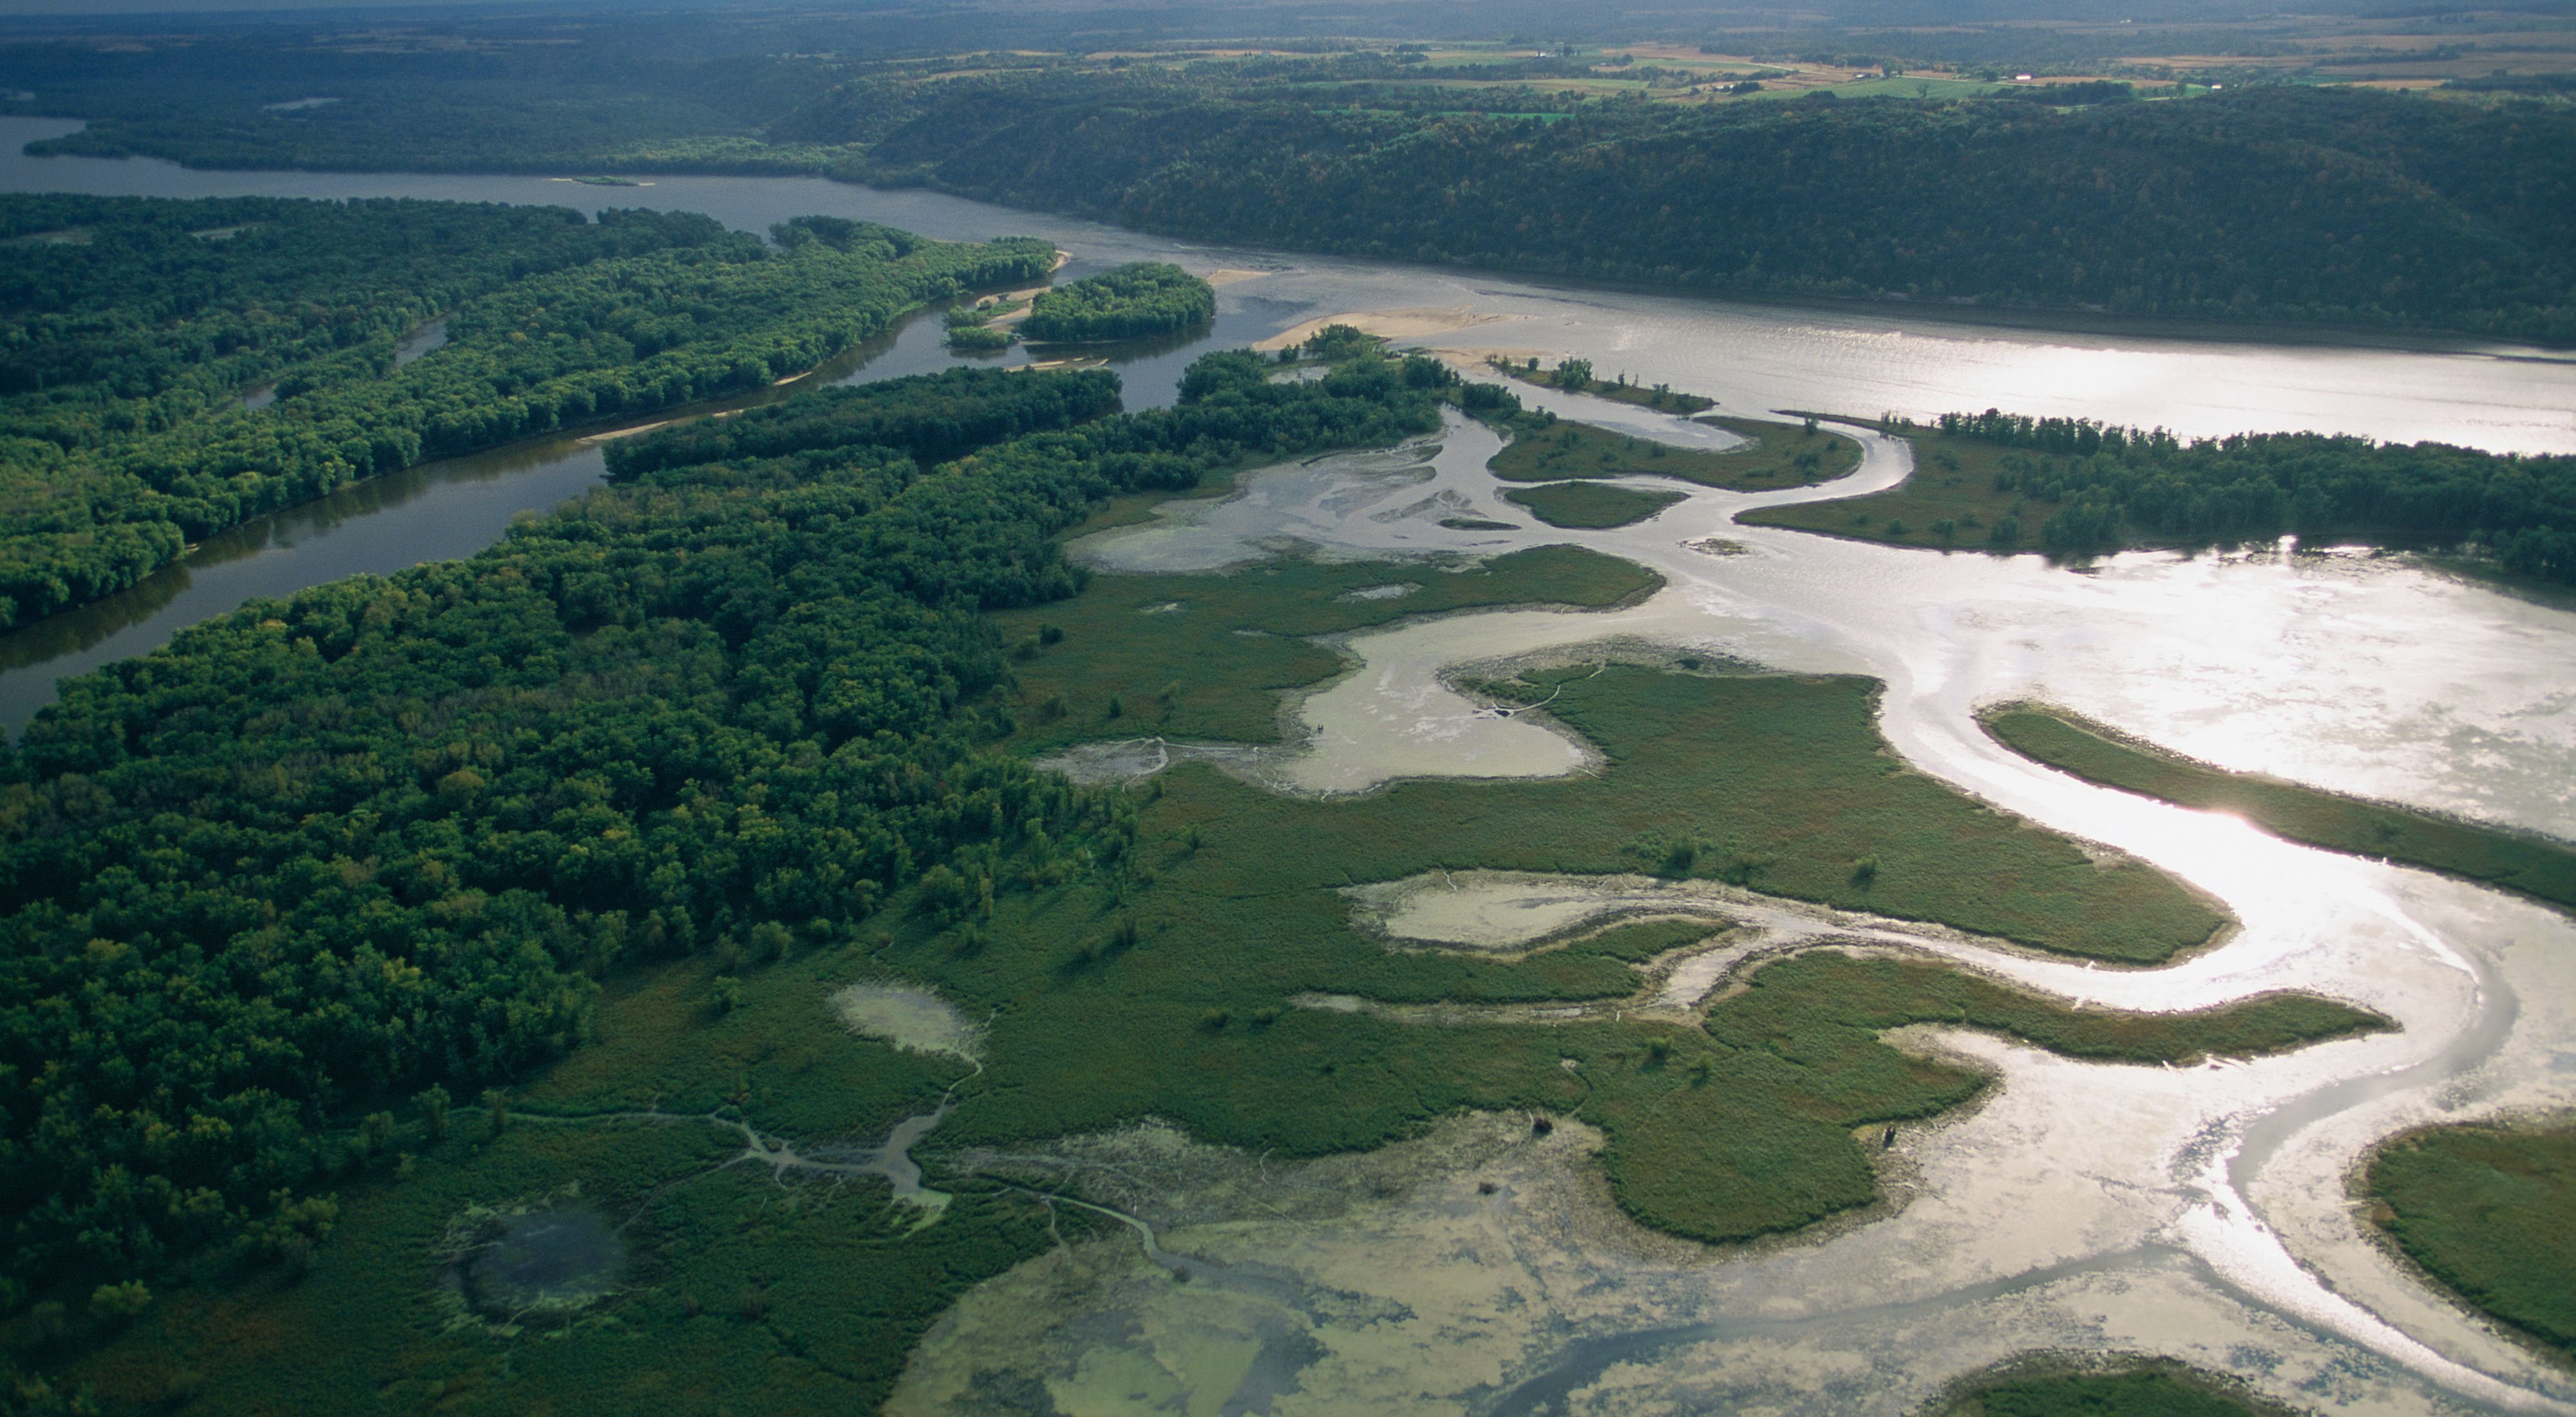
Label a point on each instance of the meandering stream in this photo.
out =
(2202, 1212)
(2224, 1184)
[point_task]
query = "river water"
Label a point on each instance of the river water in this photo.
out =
(2201, 1213)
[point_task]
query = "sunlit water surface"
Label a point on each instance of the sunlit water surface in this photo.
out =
(2198, 1212)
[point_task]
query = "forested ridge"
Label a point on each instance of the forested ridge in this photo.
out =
(2342, 206)
(2098, 488)
(133, 328)
(371, 848)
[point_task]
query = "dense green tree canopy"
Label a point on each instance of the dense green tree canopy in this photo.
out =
(1144, 298)
(131, 332)
(323, 853)
(2102, 487)
(2343, 206)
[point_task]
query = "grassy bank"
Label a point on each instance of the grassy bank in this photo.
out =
(2491, 1212)
(1779, 455)
(2530, 865)
(1589, 505)
(1948, 503)
(1779, 783)
(1661, 396)
(1207, 657)
(2057, 1386)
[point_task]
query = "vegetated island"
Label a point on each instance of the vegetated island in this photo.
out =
(2007, 482)
(1575, 376)
(511, 895)
(1589, 505)
(2116, 1385)
(2522, 862)
(972, 329)
(2489, 1212)
(127, 438)
(1544, 448)
(1130, 302)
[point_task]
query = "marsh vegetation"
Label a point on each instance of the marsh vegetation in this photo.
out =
(1122, 954)
(2490, 1211)
(1775, 455)
(1589, 505)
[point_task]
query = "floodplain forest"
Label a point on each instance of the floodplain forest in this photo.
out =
(2071, 487)
(170, 369)
(1130, 302)
(354, 929)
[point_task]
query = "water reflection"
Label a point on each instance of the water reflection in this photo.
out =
(2199, 1212)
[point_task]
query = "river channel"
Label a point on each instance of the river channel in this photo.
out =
(2201, 1213)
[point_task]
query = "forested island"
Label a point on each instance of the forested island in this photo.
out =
(2071, 487)
(135, 331)
(1143, 298)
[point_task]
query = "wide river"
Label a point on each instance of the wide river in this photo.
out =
(2200, 1213)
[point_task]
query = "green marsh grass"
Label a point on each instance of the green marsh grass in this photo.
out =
(1780, 455)
(1948, 503)
(2490, 1212)
(1232, 644)
(1589, 505)
(2068, 1387)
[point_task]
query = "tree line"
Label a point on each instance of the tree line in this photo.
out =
(135, 328)
(366, 851)
(2110, 486)
(939, 417)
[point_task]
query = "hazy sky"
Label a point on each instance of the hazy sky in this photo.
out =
(206, 7)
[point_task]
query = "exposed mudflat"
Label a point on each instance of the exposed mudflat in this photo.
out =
(908, 1016)
(2199, 1213)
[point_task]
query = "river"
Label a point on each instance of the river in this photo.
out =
(2199, 1213)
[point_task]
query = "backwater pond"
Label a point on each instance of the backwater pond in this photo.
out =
(2198, 1212)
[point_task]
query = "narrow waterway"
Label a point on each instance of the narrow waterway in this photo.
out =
(2200, 1213)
